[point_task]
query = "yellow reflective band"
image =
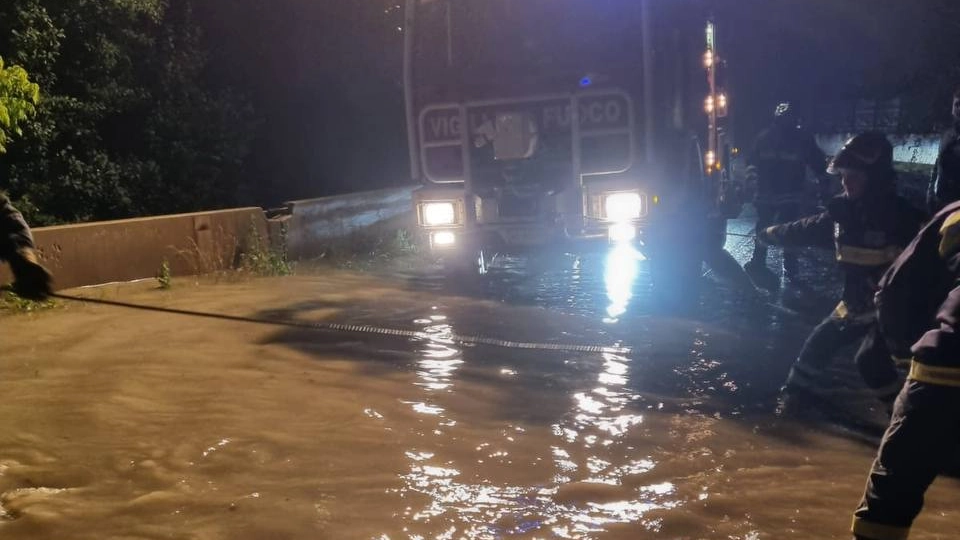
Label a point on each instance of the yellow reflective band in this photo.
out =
(942, 376)
(950, 235)
(877, 531)
(842, 312)
(867, 256)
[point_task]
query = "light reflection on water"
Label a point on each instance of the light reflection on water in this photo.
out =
(469, 494)
(619, 275)
(439, 359)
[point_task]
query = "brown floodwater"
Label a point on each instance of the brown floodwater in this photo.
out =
(119, 423)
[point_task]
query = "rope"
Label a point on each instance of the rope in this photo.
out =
(359, 328)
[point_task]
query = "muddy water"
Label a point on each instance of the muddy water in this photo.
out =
(119, 423)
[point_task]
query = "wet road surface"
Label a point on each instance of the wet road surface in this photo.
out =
(120, 423)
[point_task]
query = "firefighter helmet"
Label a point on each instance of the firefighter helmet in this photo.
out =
(786, 115)
(869, 151)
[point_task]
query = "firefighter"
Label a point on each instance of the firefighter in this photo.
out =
(944, 185)
(777, 167)
(919, 312)
(32, 280)
(868, 224)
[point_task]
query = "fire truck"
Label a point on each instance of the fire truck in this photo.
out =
(561, 122)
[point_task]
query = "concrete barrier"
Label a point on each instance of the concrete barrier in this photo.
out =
(306, 227)
(124, 250)
(203, 242)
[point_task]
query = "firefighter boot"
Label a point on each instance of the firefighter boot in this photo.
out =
(762, 276)
(797, 397)
(798, 403)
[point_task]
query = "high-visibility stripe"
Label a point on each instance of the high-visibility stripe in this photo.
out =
(842, 312)
(867, 256)
(942, 376)
(950, 235)
(878, 531)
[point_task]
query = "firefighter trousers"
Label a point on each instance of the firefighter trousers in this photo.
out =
(921, 440)
(874, 361)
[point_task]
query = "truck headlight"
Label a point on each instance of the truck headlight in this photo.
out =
(624, 206)
(442, 239)
(438, 213)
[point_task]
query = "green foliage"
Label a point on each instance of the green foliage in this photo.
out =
(258, 258)
(370, 247)
(18, 100)
(404, 242)
(164, 276)
(10, 302)
(129, 124)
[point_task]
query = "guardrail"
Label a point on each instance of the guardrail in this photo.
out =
(304, 227)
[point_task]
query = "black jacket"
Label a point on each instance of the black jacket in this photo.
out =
(944, 185)
(14, 233)
(867, 234)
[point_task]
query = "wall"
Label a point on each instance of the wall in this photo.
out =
(202, 242)
(123, 250)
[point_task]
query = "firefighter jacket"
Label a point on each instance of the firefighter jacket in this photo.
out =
(919, 299)
(868, 234)
(945, 179)
(14, 233)
(779, 158)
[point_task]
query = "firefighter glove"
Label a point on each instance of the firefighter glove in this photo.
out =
(765, 236)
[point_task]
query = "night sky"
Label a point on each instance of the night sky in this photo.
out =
(325, 74)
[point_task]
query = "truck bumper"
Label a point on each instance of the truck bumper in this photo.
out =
(531, 236)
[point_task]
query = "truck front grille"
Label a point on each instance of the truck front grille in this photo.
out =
(511, 206)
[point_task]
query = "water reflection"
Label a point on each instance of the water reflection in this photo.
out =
(483, 511)
(439, 358)
(619, 275)
(487, 482)
(599, 423)
(602, 408)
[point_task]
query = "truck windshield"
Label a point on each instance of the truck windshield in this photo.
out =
(490, 38)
